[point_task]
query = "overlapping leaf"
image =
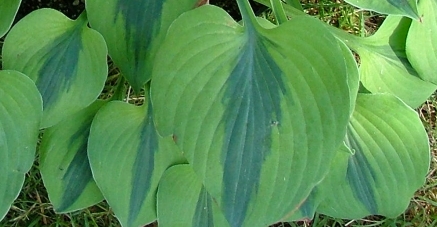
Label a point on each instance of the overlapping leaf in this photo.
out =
(422, 41)
(188, 204)
(64, 163)
(20, 116)
(385, 160)
(257, 112)
(127, 158)
(384, 65)
(406, 8)
(65, 58)
(8, 10)
(133, 30)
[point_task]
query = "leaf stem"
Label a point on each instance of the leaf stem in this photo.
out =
(279, 12)
(120, 91)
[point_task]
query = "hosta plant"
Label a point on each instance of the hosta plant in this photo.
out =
(243, 123)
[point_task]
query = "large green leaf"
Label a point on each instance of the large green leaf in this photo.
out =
(64, 163)
(422, 41)
(188, 204)
(406, 8)
(133, 30)
(8, 10)
(384, 65)
(20, 116)
(257, 112)
(65, 58)
(127, 158)
(386, 160)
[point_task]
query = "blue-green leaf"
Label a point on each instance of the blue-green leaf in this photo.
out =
(187, 205)
(386, 158)
(238, 99)
(133, 30)
(127, 158)
(20, 117)
(65, 58)
(64, 163)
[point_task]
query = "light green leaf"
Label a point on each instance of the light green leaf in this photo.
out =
(188, 204)
(127, 159)
(20, 116)
(65, 58)
(387, 161)
(406, 8)
(133, 31)
(64, 164)
(8, 10)
(422, 41)
(384, 66)
(238, 100)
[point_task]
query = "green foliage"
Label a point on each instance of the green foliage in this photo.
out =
(242, 124)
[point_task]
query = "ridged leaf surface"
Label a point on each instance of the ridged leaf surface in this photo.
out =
(254, 110)
(65, 58)
(20, 117)
(127, 159)
(64, 163)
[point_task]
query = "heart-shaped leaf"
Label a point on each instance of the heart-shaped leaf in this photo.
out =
(422, 41)
(20, 116)
(8, 10)
(386, 158)
(188, 204)
(384, 65)
(254, 110)
(65, 58)
(64, 163)
(127, 158)
(406, 8)
(133, 30)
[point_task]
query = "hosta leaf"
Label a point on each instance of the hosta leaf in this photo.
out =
(238, 100)
(406, 8)
(387, 161)
(127, 158)
(422, 41)
(133, 30)
(188, 204)
(65, 58)
(384, 66)
(64, 163)
(8, 10)
(20, 116)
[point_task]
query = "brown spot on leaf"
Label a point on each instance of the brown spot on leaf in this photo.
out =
(201, 3)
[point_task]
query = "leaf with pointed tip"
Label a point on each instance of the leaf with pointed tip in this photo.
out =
(20, 116)
(65, 58)
(127, 158)
(64, 164)
(422, 41)
(384, 65)
(238, 100)
(133, 30)
(386, 159)
(406, 8)
(188, 204)
(8, 10)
